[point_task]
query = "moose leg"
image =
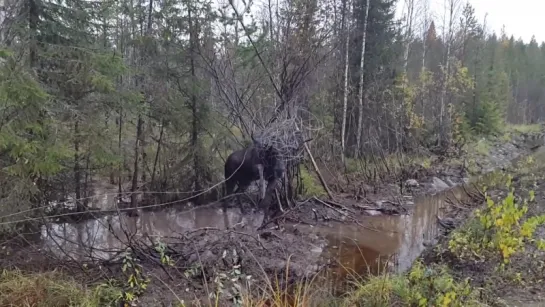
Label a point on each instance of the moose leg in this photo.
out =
(271, 193)
(261, 182)
(229, 187)
(242, 186)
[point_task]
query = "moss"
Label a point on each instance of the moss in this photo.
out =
(311, 186)
(506, 137)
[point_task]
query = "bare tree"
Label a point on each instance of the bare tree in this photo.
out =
(425, 27)
(452, 10)
(346, 27)
(362, 74)
(410, 6)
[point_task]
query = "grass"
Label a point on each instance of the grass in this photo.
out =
(52, 289)
(391, 166)
(421, 284)
(535, 128)
(311, 185)
(482, 147)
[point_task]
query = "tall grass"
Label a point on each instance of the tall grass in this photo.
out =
(52, 289)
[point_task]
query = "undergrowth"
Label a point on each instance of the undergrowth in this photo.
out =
(502, 228)
(311, 185)
(422, 286)
(52, 289)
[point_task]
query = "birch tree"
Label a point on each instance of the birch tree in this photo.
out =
(424, 30)
(346, 27)
(362, 74)
(410, 6)
(451, 10)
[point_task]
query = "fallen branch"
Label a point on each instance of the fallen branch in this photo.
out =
(339, 210)
(322, 180)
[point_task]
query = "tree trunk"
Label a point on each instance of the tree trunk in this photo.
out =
(410, 13)
(87, 179)
(425, 6)
(134, 185)
(346, 13)
(33, 19)
(443, 126)
(121, 152)
(361, 91)
(194, 107)
(147, 129)
(77, 168)
(157, 153)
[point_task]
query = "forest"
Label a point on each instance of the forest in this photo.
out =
(153, 96)
(149, 97)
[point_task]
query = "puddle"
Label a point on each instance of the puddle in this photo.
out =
(387, 242)
(92, 239)
(391, 243)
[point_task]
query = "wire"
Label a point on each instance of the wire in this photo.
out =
(121, 209)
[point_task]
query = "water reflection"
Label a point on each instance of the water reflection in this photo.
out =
(98, 238)
(387, 242)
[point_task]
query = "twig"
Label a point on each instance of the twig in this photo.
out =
(339, 206)
(331, 207)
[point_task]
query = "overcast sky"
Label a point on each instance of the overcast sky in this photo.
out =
(522, 18)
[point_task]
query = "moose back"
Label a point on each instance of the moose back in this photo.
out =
(256, 162)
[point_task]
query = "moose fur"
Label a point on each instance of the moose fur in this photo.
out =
(256, 162)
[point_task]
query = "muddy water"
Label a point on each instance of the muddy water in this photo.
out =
(388, 242)
(385, 242)
(97, 238)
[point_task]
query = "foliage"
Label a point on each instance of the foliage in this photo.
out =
(137, 282)
(524, 129)
(482, 147)
(499, 229)
(421, 286)
(434, 285)
(486, 118)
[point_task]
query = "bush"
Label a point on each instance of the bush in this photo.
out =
(422, 286)
(500, 228)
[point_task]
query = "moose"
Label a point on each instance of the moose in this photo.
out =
(255, 162)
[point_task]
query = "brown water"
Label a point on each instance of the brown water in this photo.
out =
(386, 242)
(391, 242)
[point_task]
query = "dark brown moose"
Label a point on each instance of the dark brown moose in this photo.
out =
(255, 162)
